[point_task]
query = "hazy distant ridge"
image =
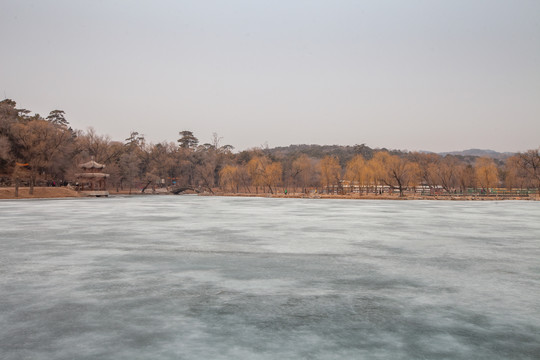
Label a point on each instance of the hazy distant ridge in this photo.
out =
(480, 152)
(347, 152)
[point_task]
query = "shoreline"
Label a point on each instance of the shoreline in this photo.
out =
(377, 197)
(8, 193)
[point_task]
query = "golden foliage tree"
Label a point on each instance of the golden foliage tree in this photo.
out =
(272, 175)
(357, 171)
(446, 173)
(302, 171)
(330, 171)
(377, 168)
(256, 168)
(396, 172)
(228, 177)
(486, 173)
(264, 172)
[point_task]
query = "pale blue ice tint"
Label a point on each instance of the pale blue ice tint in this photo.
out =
(187, 277)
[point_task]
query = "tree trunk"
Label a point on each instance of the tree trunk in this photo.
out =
(17, 181)
(32, 180)
(146, 186)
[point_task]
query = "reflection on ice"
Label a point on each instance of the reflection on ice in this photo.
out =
(226, 278)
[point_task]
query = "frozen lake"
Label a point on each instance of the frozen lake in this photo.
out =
(187, 277)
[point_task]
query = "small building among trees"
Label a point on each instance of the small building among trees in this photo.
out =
(92, 181)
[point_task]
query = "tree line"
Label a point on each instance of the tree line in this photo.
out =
(39, 150)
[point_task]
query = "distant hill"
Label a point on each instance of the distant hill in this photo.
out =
(480, 153)
(345, 153)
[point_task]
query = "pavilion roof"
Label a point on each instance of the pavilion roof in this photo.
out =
(92, 165)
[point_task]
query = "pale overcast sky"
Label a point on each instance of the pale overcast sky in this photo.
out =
(417, 75)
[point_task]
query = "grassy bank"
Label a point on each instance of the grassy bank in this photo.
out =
(39, 193)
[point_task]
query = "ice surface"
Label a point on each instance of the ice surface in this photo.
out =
(186, 277)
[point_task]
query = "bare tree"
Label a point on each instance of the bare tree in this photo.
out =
(530, 162)
(38, 142)
(129, 167)
(302, 171)
(446, 173)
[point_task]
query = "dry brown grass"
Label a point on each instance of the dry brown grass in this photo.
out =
(39, 193)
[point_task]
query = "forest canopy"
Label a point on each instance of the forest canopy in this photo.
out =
(39, 150)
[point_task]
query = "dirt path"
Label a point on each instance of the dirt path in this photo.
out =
(39, 193)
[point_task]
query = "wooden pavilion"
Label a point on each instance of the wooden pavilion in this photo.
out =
(92, 181)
